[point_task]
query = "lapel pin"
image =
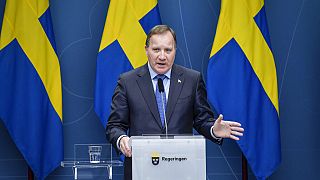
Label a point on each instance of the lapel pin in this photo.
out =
(179, 81)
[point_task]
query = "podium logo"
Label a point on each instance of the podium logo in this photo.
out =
(155, 158)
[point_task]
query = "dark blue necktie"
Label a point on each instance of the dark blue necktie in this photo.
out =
(161, 100)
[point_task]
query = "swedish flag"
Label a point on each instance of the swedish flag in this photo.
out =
(30, 93)
(242, 81)
(122, 46)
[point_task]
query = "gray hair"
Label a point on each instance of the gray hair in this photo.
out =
(160, 29)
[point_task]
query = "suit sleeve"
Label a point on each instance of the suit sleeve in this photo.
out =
(118, 122)
(203, 115)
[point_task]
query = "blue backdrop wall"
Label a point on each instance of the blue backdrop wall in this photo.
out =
(294, 27)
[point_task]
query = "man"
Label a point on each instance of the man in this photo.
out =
(135, 104)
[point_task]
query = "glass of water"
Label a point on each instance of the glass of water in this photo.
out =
(95, 154)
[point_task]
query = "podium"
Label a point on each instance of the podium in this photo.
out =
(168, 157)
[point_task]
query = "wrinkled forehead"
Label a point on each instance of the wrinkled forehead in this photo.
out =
(164, 39)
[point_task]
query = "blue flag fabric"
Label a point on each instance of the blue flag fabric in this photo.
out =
(122, 47)
(30, 93)
(242, 82)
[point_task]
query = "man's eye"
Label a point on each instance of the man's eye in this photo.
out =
(156, 50)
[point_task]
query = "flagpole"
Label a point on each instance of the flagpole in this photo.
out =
(30, 174)
(244, 167)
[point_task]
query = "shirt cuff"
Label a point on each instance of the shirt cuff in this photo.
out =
(118, 141)
(212, 134)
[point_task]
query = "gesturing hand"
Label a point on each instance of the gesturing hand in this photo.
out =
(227, 129)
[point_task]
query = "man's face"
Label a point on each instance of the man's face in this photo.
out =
(161, 52)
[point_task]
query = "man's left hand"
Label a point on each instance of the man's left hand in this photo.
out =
(227, 129)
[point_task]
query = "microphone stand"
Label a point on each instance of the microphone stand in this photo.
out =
(164, 111)
(161, 90)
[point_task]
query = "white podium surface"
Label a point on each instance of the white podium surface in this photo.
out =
(174, 158)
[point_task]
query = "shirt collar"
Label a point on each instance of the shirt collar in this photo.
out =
(154, 74)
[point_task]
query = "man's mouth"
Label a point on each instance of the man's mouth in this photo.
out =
(161, 64)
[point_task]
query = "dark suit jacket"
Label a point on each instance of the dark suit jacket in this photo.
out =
(134, 107)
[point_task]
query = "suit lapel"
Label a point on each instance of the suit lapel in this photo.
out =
(176, 83)
(146, 88)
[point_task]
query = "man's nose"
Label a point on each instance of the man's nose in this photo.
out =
(162, 55)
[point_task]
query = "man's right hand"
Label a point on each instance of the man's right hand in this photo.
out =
(124, 146)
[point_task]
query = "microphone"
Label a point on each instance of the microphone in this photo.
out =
(160, 85)
(161, 90)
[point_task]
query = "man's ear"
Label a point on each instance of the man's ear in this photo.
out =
(146, 49)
